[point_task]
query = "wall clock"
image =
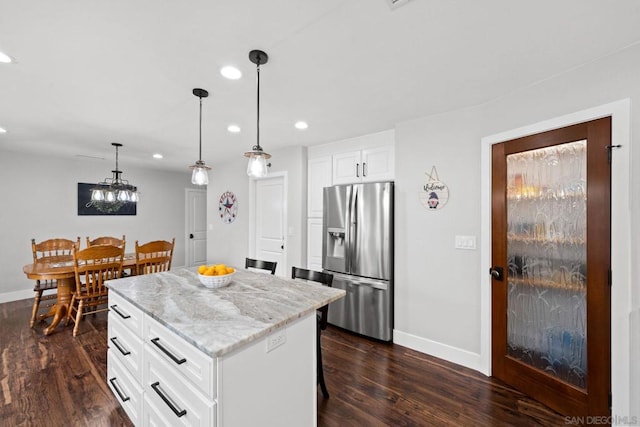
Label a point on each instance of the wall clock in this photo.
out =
(228, 207)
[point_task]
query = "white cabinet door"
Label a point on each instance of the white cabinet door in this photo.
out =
(318, 177)
(314, 244)
(378, 164)
(347, 167)
(368, 165)
(172, 396)
(125, 388)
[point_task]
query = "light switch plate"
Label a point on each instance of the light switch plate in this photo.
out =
(466, 242)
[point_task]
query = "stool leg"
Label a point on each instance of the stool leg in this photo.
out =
(323, 386)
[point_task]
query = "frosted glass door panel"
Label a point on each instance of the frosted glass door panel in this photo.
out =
(546, 253)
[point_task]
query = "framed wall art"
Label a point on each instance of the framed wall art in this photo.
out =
(86, 206)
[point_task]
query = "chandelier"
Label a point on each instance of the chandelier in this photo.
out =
(200, 174)
(257, 166)
(112, 193)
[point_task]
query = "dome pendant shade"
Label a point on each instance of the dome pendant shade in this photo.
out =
(200, 174)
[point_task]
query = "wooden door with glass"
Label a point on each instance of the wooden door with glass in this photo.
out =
(551, 251)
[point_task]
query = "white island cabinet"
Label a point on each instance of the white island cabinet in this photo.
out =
(182, 354)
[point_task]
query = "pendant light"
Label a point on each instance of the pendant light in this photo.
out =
(200, 175)
(257, 166)
(115, 190)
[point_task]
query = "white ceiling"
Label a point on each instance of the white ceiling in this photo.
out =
(89, 72)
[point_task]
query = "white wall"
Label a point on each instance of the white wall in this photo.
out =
(43, 195)
(437, 306)
(230, 243)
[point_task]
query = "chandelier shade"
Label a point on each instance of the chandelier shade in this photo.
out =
(257, 166)
(200, 174)
(112, 193)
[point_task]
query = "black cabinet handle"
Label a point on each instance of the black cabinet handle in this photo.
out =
(357, 170)
(117, 389)
(124, 352)
(167, 352)
(156, 387)
(364, 170)
(191, 235)
(124, 316)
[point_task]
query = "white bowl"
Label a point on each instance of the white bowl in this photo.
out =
(213, 282)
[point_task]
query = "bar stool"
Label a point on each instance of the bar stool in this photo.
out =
(321, 316)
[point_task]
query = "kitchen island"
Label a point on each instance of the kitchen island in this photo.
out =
(244, 354)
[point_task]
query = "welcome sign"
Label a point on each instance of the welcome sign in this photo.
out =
(435, 193)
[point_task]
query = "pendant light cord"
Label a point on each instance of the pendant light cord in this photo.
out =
(200, 136)
(258, 106)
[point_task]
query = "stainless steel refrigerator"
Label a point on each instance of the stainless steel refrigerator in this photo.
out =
(357, 248)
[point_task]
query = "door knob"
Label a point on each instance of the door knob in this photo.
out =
(497, 273)
(191, 235)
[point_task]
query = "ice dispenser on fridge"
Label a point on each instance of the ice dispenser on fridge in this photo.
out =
(335, 242)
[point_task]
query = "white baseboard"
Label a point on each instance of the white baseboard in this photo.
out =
(16, 295)
(455, 355)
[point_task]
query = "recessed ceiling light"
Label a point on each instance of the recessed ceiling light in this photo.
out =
(233, 128)
(230, 72)
(5, 59)
(3, 130)
(157, 156)
(301, 125)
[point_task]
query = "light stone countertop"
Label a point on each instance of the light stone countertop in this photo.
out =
(218, 321)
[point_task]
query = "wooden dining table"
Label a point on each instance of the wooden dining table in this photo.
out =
(61, 270)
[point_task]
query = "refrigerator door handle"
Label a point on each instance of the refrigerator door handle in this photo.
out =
(355, 281)
(347, 231)
(353, 229)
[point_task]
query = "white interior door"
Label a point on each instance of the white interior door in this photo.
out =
(196, 227)
(270, 221)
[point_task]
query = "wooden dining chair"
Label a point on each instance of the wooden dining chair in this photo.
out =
(261, 265)
(327, 280)
(51, 250)
(154, 257)
(93, 266)
(107, 240)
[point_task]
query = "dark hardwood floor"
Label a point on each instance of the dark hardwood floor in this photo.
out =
(60, 380)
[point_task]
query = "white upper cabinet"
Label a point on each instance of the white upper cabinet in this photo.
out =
(378, 164)
(347, 167)
(372, 164)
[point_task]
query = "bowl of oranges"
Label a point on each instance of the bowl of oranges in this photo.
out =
(215, 275)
